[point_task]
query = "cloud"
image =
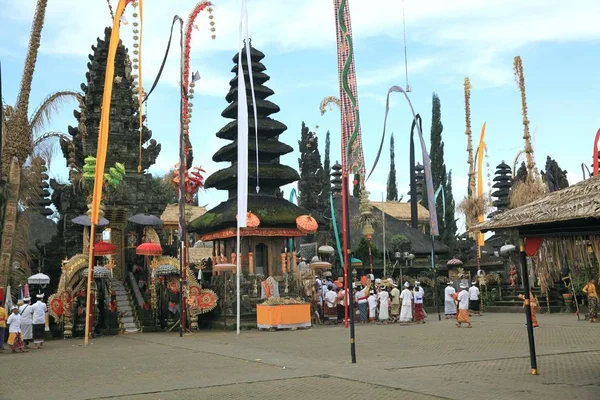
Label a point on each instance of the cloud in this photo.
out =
(471, 36)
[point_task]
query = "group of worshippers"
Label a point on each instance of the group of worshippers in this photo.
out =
(375, 301)
(26, 324)
(462, 304)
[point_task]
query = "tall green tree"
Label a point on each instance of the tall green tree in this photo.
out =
(326, 170)
(449, 232)
(392, 183)
(446, 222)
(310, 185)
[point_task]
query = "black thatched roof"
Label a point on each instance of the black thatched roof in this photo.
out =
(421, 243)
(41, 230)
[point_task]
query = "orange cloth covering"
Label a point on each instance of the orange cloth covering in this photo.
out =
(534, 308)
(283, 315)
(463, 316)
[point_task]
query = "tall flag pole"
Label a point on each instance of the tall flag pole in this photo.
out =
(103, 131)
(352, 152)
(242, 149)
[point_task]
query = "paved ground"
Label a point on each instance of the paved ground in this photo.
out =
(435, 360)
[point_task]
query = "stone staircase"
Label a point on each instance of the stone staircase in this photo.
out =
(510, 302)
(124, 307)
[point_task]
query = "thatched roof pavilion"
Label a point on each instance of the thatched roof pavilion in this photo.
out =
(573, 210)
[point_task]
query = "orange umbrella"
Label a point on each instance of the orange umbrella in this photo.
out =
(149, 249)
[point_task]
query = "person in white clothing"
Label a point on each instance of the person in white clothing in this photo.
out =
(463, 307)
(26, 313)
(419, 313)
(330, 306)
(474, 302)
(406, 309)
(39, 321)
(419, 288)
(384, 305)
(449, 306)
(14, 330)
(363, 304)
(372, 301)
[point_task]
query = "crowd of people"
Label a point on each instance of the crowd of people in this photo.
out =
(26, 323)
(382, 301)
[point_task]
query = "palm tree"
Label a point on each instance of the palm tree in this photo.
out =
(20, 131)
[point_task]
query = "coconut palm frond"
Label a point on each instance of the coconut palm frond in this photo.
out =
(45, 147)
(49, 107)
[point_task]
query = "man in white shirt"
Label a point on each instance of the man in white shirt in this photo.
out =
(449, 306)
(474, 302)
(14, 330)
(372, 301)
(363, 305)
(330, 306)
(39, 321)
(463, 307)
(406, 309)
(418, 292)
(26, 312)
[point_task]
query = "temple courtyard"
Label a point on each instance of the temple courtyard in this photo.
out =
(431, 361)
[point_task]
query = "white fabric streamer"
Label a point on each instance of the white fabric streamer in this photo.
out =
(242, 159)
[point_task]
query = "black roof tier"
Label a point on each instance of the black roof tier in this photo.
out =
(259, 78)
(256, 67)
(264, 108)
(255, 55)
(267, 127)
(260, 92)
(267, 151)
(271, 175)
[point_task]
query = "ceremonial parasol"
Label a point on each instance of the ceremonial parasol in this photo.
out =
(225, 267)
(320, 265)
(38, 279)
(143, 219)
(166, 270)
(326, 249)
(104, 249)
(100, 272)
(149, 249)
(454, 261)
(355, 262)
(85, 221)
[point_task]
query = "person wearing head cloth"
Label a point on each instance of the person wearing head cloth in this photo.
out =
(395, 296)
(463, 307)
(39, 321)
(449, 306)
(384, 305)
(372, 301)
(407, 299)
(361, 297)
(3, 318)
(26, 312)
(419, 288)
(474, 302)
(330, 305)
(419, 314)
(14, 330)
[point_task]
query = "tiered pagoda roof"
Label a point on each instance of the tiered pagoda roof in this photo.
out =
(277, 215)
(503, 183)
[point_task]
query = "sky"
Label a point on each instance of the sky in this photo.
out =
(446, 40)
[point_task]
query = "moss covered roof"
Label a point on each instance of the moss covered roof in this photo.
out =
(266, 151)
(273, 212)
(271, 175)
(263, 108)
(260, 92)
(267, 127)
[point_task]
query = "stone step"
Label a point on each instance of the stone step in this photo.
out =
(128, 320)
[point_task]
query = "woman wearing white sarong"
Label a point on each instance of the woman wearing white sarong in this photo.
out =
(449, 305)
(384, 305)
(406, 310)
(26, 312)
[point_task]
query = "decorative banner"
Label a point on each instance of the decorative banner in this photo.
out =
(596, 152)
(433, 223)
(481, 150)
(352, 152)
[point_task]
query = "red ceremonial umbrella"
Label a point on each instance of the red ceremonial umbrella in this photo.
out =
(104, 249)
(149, 249)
